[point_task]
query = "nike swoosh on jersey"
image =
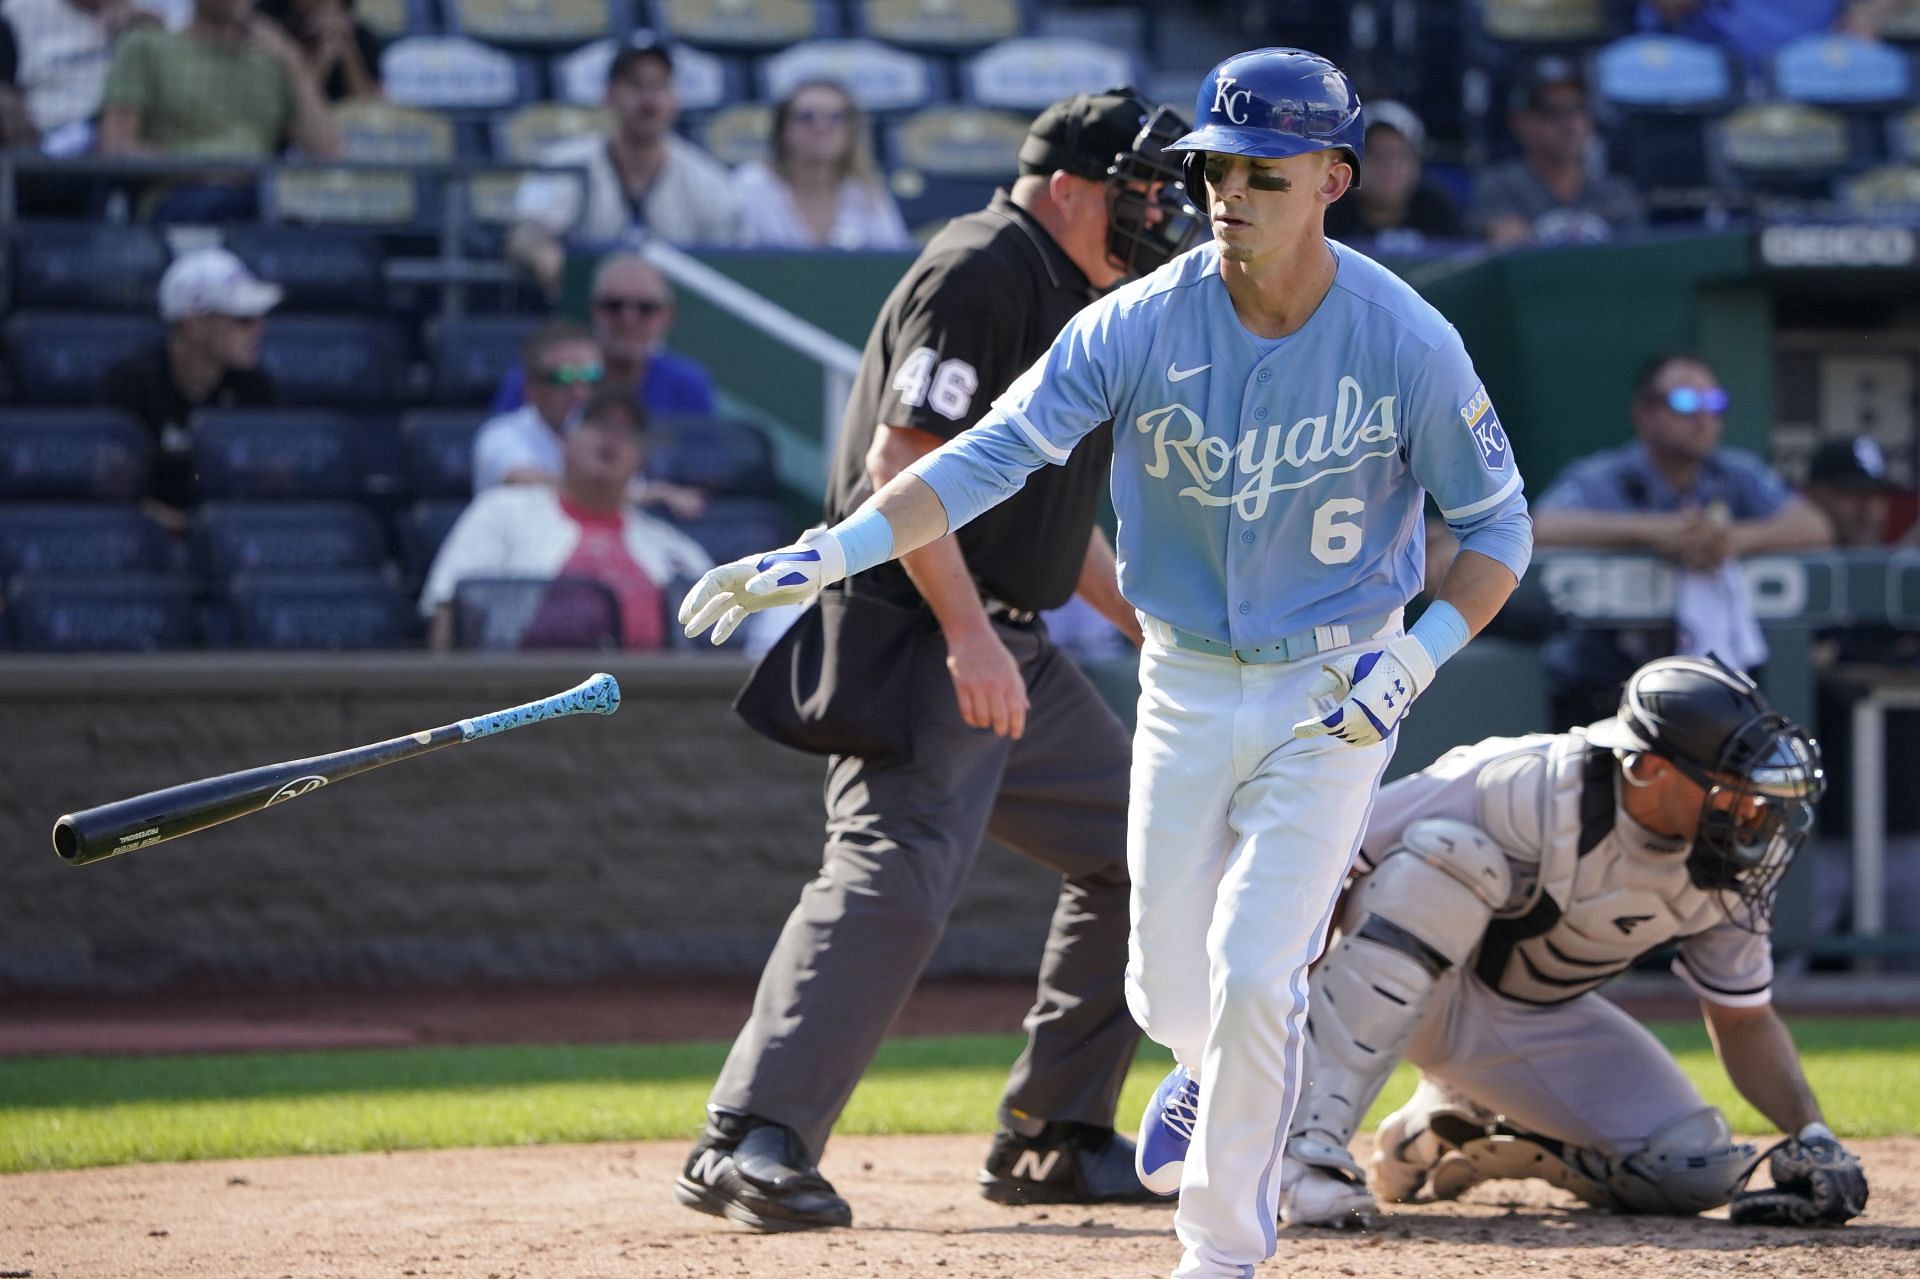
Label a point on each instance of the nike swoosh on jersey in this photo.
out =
(1177, 374)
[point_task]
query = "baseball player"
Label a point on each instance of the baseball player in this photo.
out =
(1496, 891)
(948, 712)
(1279, 406)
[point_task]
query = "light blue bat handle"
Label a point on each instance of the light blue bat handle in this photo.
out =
(597, 695)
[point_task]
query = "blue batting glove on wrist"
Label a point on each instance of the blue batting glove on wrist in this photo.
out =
(791, 575)
(1362, 697)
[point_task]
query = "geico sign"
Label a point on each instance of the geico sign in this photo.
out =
(1600, 586)
(1836, 246)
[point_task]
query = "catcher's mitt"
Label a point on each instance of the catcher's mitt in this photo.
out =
(1815, 1183)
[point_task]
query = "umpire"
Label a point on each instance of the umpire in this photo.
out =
(947, 713)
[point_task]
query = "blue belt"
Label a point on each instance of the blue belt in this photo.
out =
(1289, 648)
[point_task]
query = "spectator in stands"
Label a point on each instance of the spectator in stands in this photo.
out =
(579, 528)
(232, 85)
(16, 127)
(525, 445)
(342, 55)
(641, 178)
(1674, 491)
(1755, 30)
(1396, 208)
(216, 315)
(1847, 480)
(821, 190)
(1556, 193)
(65, 47)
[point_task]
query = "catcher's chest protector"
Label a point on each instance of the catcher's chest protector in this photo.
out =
(1608, 891)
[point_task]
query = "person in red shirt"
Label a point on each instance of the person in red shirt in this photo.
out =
(579, 528)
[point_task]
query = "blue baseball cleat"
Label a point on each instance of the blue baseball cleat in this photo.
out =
(1166, 1130)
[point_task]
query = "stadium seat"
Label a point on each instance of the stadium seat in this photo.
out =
(1903, 133)
(1543, 21)
(341, 609)
(959, 141)
(123, 612)
(938, 25)
(469, 355)
(1663, 72)
(703, 81)
(927, 200)
(717, 455)
(528, 613)
(391, 19)
(276, 537)
(438, 444)
(744, 24)
(344, 198)
(335, 360)
(320, 270)
(379, 132)
(536, 23)
(1841, 71)
(453, 73)
(740, 133)
(423, 526)
(82, 265)
(46, 537)
(1890, 193)
(733, 527)
(58, 357)
(1782, 146)
(69, 454)
(269, 454)
(524, 135)
(882, 79)
(1029, 72)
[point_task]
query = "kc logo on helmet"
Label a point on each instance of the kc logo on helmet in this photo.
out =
(1230, 101)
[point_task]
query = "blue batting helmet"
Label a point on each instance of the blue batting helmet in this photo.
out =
(1273, 102)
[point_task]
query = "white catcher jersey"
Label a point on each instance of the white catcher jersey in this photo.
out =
(1264, 487)
(1593, 891)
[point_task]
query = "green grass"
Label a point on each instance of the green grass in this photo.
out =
(72, 1112)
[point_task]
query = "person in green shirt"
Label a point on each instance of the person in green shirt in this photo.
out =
(232, 85)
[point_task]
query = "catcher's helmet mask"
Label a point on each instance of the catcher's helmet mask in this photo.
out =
(1759, 771)
(1271, 103)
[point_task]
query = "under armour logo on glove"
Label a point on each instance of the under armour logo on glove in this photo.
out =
(791, 575)
(1362, 697)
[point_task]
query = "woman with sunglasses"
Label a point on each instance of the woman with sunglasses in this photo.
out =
(819, 189)
(1677, 492)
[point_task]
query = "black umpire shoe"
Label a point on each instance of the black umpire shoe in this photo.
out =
(756, 1172)
(1066, 1163)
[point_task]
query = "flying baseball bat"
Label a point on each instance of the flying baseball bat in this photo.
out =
(95, 834)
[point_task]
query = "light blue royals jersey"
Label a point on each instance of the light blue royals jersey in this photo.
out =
(1264, 487)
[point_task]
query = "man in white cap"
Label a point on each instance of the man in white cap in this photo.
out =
(216, 311)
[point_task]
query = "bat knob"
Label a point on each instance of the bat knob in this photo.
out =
(600, 694)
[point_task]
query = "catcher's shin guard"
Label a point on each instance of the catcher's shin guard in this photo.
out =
(1689, 1166)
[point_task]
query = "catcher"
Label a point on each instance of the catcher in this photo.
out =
(1495, 892)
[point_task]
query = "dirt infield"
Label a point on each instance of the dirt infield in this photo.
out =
(582, 1212)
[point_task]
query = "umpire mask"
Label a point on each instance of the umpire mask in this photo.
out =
(1759, 771)
(1145, 177)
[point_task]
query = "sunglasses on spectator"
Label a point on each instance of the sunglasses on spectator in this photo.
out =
(1687, 399)
(823, 115)
(572, 375)
(639, 306)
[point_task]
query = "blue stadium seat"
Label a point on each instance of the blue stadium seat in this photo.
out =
(341, 609)
(927, 200)
(84, 265)
(58, 357)
(719, 455)
(1029, 72)
(453, 73)
(1842, 71)
(746, 24)
(882, 79)
(64, 454)
(47, 537)
(266, 454)
(530, 613)
(320, 270)
(704, 81)
(276, 537)
(335, 359)
(470, 355)
(439, 449)
(733, 527)
(939, 25)
(423, 526)
(126, 612)
(1663, 72)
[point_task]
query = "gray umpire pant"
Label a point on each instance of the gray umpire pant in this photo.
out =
(901, 836)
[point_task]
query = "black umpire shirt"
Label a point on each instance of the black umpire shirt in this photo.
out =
(983, 301)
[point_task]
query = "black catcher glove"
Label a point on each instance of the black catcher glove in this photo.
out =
(1815, 1183)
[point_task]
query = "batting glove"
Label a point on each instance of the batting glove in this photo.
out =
(1362, 697)
(791, 575)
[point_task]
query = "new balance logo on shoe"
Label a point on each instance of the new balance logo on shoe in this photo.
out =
(1035, 1165)
(706, 1165)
